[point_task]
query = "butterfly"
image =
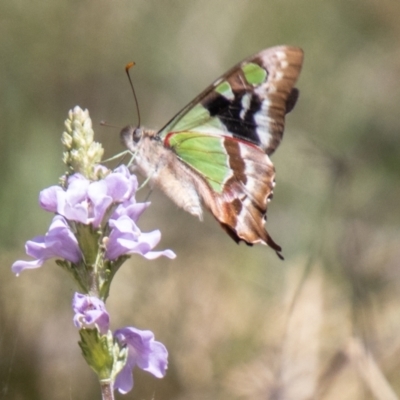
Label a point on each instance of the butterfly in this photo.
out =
(216, 151)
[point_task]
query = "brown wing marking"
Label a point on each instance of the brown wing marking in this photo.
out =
(242, 206)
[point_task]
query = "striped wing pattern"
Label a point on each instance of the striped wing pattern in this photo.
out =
(227, 134)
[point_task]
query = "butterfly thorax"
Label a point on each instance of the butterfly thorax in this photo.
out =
(158, 163)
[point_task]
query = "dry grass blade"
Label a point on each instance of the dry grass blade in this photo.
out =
(300, 350)
(369, 371)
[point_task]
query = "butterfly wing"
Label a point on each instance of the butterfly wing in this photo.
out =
(216, 150)
(226, 134)
(237, 180)
(249, 102)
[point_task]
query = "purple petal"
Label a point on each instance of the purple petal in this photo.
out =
(124, 380)
(78, 212)
(76, 177)
(99, 210)
(149, 240)
(156, 361)
(120, 187)
(48, 198)
(143, 351)
(130, 208)
(124, 234)
(97, 189)
(19, 266)
(72, 203)
(59, 242)
(98, 194)
(123, 169)
(90, 311)
(77, 189)
(124, 225)
(146, 242)
(126, 238)
(36, 247)
(151, 255)
(125, 180)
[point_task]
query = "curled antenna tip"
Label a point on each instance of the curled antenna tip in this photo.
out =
(129, 66)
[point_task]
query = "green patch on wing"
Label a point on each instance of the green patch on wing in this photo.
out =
(205, 154)
(197, 119)
(254, 74)
(225, 90)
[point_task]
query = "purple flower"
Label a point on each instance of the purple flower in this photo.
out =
(126, 238)
(91, 203)
(143, 351)
(121, 184)
(130, 208)
(90, 312)
(87, 202)
(59, 242)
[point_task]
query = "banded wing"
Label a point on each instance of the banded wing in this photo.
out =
(239, 180)
(248, 102)
(226, 134)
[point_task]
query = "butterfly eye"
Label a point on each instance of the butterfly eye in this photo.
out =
(130, 136)
(137, 134)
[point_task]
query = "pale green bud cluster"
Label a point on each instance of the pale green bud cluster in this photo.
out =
(81, 153)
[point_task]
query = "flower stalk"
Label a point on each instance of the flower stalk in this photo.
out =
(107, 390)
(93, 232)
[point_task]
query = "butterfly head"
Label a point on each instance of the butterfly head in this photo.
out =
(130, 137)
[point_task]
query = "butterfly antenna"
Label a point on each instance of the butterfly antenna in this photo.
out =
(127, 68)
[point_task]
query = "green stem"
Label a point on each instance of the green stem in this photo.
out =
(93, 284)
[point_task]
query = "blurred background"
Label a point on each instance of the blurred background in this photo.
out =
(238, 322)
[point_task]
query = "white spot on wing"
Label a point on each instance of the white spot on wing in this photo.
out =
(284, 64)
(253, 178)
(263, 124)
(281, 55)
(245, 105)
(279, 75)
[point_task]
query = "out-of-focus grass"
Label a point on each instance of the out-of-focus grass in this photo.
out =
(238, 323)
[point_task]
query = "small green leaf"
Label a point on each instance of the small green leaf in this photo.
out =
(88, 240)
(102, 353)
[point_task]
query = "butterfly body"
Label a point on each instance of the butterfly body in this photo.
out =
(159, 164)
(215, 152)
